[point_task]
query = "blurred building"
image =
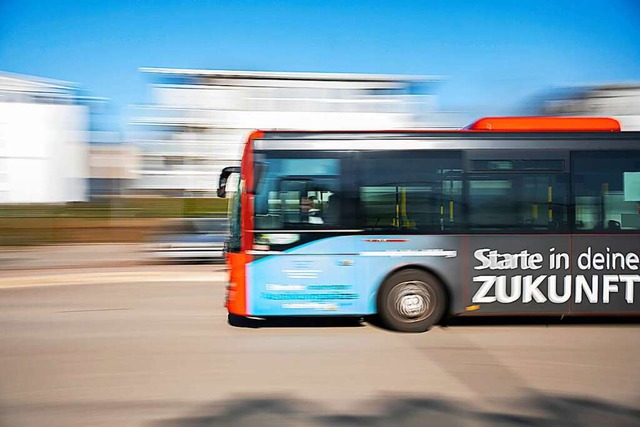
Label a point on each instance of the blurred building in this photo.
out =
(621, 101)
(112, 169)
(43, 141)
(201, 118)
(113, 163)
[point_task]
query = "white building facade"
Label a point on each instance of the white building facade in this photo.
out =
(43, 141)
(201, 118)
(620, 101)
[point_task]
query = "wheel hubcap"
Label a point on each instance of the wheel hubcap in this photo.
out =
(412, 305)
(412, 301)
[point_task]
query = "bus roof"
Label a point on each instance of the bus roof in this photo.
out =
(490, 133)
(486, 125)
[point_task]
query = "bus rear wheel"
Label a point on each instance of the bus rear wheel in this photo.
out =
(411, 300)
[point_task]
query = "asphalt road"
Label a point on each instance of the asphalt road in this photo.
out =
(162, 354)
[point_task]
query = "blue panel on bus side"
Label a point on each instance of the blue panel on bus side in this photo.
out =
(317, 278)
(341, 275)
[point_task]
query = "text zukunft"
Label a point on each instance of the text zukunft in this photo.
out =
(559, 289)
(507, 290)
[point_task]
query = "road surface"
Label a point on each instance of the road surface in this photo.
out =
(162, 354)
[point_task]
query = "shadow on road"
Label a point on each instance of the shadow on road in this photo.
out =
(541, 320)
(294, 322)
(515, 321)
(409, 412)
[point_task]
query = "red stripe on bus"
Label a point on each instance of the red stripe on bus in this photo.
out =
(237, 290)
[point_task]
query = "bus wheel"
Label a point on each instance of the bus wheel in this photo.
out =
(411, 301)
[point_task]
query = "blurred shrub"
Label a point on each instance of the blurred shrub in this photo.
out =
(143, 207)
(115, 220)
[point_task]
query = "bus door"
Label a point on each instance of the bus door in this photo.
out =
(304, 259)
(519, 247)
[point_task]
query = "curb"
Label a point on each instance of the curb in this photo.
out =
(108, 278)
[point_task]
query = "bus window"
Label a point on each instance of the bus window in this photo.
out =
(606, 191)
(410, 192)
(516, 202)
(299, 193)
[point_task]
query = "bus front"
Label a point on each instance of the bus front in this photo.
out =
(238, 182)
(290, 252)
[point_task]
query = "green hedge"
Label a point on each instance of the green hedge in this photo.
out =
(116, 220)
(142, 207)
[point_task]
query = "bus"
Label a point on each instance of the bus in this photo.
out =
(508, 216)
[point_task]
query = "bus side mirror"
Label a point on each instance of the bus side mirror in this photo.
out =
(224, 177)
(222, 192)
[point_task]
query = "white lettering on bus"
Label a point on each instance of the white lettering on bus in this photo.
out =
(527, 288)
(481, 296)
(497, 261)
(607, 260)
(553, 290)
(629, 279)
(608, 287)
(501, 289)
(590, 291)
(530, 289)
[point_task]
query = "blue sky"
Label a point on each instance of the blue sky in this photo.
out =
(494, 54)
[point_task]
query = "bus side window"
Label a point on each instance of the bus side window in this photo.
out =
(514, 202)
(606, 191)
(410, 192)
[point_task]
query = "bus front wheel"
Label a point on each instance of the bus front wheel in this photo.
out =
(411, 300)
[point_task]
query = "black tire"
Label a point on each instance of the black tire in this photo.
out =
(411, 300)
